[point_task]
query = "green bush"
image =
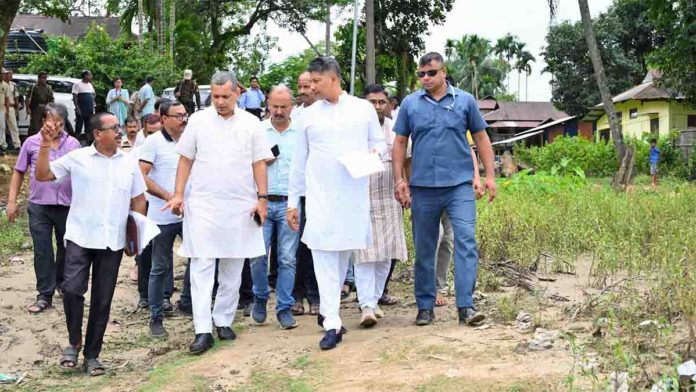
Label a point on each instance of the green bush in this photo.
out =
(595, 159)
(672, 162)
(107, 59)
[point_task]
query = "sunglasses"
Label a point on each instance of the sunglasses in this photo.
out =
(431, 73)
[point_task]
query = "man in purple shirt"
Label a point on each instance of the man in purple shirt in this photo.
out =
(49, 203)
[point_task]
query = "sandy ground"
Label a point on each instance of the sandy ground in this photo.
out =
(395, 355)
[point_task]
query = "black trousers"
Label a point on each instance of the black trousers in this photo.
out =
(305, 280)
(246, 293)
(43, 221)
(386, 284)
(104, 264)
(256, 112)
(82, 121)
(190, 106)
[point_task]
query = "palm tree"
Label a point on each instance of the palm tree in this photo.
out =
(505, 49)
(172, 25)
(470, 64)
(141, 17)
(472, 50)
(524, 59)
(370, 68)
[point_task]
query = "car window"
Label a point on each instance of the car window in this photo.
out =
(23, 85)
(61, 86)
(205, 95)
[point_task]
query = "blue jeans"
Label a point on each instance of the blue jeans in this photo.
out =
(288, 241)
(162, 266)
(426, 209)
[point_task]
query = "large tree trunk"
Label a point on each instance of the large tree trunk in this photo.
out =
(8, 11)
(160, 27)
(519, 74)
(370, 66)
(141, 21)
(328, 28)
(403, 65)
(526, 86)
(602, 83)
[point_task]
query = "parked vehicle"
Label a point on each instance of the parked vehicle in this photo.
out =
(62, 92)
(203, 89)
(21, 44)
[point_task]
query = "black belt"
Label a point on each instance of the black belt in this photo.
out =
(277, 198)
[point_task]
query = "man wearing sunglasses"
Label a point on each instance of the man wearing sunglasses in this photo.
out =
(106, 183)
(158, 162)
(437, 117)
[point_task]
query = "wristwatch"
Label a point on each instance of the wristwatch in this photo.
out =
(260, 196)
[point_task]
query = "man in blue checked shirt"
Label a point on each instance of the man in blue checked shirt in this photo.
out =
(253, 98)
(281, 136)
(436, 118)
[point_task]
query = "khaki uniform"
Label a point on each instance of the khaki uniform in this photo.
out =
(12, 99)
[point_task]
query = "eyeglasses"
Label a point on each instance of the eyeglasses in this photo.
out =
(431, 73)
(115, 128)
(180, 117)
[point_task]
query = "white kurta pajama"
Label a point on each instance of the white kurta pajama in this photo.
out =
(389, 241)
(217, 210)
(337, 205)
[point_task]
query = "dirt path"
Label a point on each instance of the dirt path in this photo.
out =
(395, 355)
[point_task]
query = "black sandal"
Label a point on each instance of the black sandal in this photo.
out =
(69, 356)
(40, 305)
(93, 367)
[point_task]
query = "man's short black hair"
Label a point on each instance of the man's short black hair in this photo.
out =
(251, 79)
(42, 74)
(86, 72)
(430, 56)
(131, 119)
(149, 79)
(166, 104)
(375, 89)
(96, 122)
(159, 103)
(325, 64)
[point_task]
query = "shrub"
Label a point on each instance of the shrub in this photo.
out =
(595, 159)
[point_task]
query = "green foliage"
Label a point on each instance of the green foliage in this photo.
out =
(107, 59)
(596, 159)
(625, 36)
(674, 21)
(287, 71)
(672, 162)
(472, 64)
(12, 236)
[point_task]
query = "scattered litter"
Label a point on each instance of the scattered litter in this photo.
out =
(543, 339)
(16, 259)
(589, 364)
(524, 321)
(662, 386)
(618, 382)
(482, 327)
(9, 378)
(687, 369)
(26, 246)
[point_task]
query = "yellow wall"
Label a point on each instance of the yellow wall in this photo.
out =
(671, 115)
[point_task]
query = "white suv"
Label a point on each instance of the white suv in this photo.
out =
(62, 93)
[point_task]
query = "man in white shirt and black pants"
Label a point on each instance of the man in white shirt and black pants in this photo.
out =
(158, 162)
(106, 185)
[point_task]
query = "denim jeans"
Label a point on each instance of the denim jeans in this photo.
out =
(427, 207)
(162, 266)
(288, 241)
(350, 275)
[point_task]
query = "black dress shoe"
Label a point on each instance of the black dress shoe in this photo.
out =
(320, 322)
(226, 333)
(331, 339)
(425, 317)
(470, 316)
(202, 343)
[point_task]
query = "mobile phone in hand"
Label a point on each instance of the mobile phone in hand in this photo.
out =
(275, 150)
(257, 218)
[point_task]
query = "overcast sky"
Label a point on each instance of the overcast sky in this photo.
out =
(492, 19)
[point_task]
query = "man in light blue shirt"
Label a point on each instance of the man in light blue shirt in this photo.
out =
(436, 118)
(281, 136)
(147, 97)
(252, 99)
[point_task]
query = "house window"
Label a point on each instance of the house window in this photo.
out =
(691, 121)
(633, 113)
(654, 126)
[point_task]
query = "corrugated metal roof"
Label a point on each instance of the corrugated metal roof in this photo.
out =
(517, 138)
(524, 111)
(75, 27)
(513, 124)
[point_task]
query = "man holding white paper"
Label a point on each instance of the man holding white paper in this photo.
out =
(338, 205)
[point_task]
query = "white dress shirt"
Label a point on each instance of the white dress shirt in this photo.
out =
(222, 190)
(102, 189)
(338, 206)
(159, 150)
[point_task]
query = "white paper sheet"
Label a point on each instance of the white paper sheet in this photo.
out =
(147, 230)
(361, 163)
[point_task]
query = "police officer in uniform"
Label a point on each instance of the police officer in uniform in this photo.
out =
(185, 90)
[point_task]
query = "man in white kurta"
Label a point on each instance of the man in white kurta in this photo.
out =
(338, 206)
(222, 155)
